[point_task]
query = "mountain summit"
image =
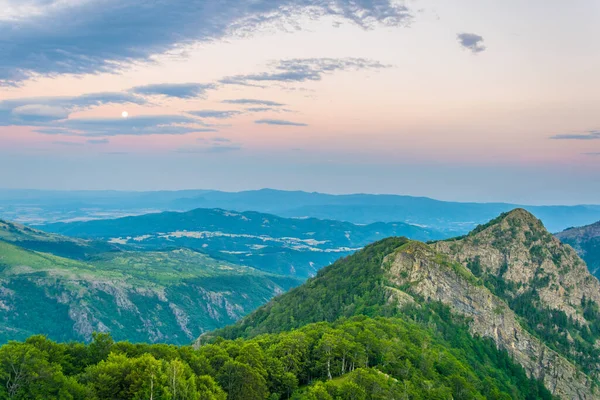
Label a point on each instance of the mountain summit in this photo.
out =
(518, 252)
(510, 280)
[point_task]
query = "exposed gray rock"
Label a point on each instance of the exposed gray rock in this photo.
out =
(433, 276)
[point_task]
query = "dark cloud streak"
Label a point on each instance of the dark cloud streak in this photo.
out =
(256, 102)
(471, 42)
(176, 90)
(279, 122)
(108, 35)
(305, 69)
(590, 135)
(218, 114)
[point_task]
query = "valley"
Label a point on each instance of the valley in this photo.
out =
(155, 296)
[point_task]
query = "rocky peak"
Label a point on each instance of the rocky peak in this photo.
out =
(416, 271)
(542, 280)
(517, 249)
(517, 227)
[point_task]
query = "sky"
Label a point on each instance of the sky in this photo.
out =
(470, 100)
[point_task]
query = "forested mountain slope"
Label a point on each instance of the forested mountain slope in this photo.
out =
(514, 282)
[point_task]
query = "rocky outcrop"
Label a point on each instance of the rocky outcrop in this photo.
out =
(518, 249)
(421, 271)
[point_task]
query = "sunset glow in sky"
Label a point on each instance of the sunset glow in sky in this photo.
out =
(463, 100)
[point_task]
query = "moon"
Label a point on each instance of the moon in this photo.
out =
(124, 114)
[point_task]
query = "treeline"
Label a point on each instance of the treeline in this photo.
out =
(356, 358)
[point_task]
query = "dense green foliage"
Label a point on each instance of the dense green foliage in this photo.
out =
(357, 358)
(352, 285)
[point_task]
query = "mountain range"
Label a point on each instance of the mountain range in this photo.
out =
(288, 246)
(32, 206)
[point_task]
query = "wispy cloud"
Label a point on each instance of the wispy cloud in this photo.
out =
(40, 110)
(105, 36)
(35, 113)
(219, 139)
(256, 102)
(306, 69)
(209, 149)
(177, 90)
(589, 135)
(260, 109)
(218, 114)
(136, 126)
(279, 122)
(65, 143)
(471, 42)
(55, 131)
(211, 145)
(98, 141)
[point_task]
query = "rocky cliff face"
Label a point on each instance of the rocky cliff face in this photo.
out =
(418, 270)
(519, 250)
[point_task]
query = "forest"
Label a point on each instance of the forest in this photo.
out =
(356, 358)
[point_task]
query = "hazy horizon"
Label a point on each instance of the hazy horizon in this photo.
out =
(349, 193)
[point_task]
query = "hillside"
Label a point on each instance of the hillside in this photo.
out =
(287, 246)
(513, 282)
(586, 241)
(151, 297)
(34, 239)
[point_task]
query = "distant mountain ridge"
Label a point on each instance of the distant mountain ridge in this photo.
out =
(454, 217)
(514, 282)
(586, 241)
(288, 246)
